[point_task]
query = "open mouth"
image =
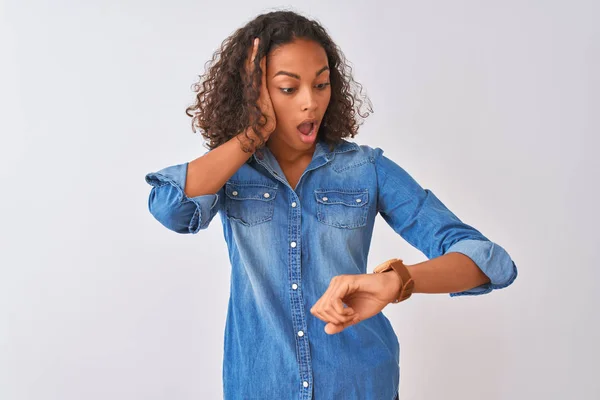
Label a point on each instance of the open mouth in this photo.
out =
(307, 128)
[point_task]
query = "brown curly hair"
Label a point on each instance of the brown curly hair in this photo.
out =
(226, 100)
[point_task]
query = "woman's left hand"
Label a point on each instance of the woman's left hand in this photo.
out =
(365, 295)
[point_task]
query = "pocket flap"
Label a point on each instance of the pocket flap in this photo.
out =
(250, 191)
(350, 198)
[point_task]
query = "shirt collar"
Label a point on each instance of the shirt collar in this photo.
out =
(322, 149)
(322, 155)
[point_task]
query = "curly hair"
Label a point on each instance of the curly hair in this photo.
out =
(226, 99)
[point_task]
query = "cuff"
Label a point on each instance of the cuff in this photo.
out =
(492, 259)
(173, 211)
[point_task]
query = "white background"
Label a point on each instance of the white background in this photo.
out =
(493, 105)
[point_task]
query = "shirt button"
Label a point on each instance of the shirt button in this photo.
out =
(358, 200)
(267, 195)
(294, 286)
(293, 244)
(294, 205)
(234, 193)
(300, 333)
(325, 199)
(305, 384)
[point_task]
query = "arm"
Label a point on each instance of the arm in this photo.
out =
(452, 272)
(185, 197)
(462, 261)
(209, 172)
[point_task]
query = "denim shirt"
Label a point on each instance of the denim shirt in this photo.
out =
(286, 245)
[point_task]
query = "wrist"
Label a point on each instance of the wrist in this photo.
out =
(403, 281)
(394, 281)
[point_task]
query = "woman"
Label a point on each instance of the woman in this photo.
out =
(298, 203)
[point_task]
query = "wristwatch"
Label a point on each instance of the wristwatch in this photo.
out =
(406, 282)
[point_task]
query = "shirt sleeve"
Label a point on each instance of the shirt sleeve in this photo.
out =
(169, 204)
(426, 223)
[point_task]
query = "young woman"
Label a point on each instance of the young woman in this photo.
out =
(298, 202)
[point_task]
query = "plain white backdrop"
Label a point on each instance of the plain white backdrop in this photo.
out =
(493, 105)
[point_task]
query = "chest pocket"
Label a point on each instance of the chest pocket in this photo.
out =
(342, 208)
(250, 203)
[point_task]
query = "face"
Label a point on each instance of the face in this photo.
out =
(299, 87)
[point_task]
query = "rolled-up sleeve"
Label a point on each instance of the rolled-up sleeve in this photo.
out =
(169, 204)
(426, 223)
(492, 259)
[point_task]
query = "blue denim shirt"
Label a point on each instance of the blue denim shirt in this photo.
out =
(286, 245)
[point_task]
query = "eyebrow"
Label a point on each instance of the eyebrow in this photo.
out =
(325, 68)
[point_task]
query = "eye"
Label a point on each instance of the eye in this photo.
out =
(284, 90)
(320, 86)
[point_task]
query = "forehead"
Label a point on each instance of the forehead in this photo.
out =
(297, 55)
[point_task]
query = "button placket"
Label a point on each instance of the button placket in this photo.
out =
(298, 314)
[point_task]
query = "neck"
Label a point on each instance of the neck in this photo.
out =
(287, 155)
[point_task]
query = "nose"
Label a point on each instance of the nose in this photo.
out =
(308, 101)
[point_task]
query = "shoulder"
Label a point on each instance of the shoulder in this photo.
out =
(351, 150)
(362, 154)
(349, 155)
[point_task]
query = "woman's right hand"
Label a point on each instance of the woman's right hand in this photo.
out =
(264, 100)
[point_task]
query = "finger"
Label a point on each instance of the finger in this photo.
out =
(254, 49)
(330, 307)
(332, 316)
(331, 328)
(333, 301)
(331, 290)
(316, 311)
(317, 308)
(263, 80)
(339, 307)
(334, 308)
(263, 67)
(251, 56)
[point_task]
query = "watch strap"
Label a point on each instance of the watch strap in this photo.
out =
(406, 281)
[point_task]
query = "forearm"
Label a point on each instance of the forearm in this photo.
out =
(450, 273)
(208, 173)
